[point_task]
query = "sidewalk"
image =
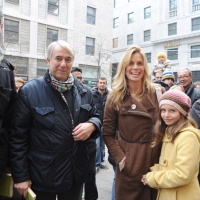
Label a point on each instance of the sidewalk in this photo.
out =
(104, 180)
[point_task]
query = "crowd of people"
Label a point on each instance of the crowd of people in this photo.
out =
(53, 130)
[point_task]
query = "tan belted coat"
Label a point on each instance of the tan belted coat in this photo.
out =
(135, 122)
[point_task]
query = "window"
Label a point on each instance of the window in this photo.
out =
(53, 7)
(172, 5)
(114, 69)
(90, 72)
(147, 35)
(172, 8)
(115, 22)
(130, 18)
(11, 31)
(196, 24)
(116, 2)
(42, 67)
(147, 12)
(115, 42)
(52, 35)
(172, 54)
(130, 39)
(21, 65)
(90, 46)
(148, 57)
(172, 29)
(13, 1)
(196, 2)
(195, 51)
(91, 15)
(196, 5)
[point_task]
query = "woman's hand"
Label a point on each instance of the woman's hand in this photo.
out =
(144, 180)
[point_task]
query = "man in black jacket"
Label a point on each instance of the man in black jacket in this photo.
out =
(90, 190)
(52, 127)
(100, 94)
(7, 97)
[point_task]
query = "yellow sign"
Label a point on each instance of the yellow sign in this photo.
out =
(172, 44)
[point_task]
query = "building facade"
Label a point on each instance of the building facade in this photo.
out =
(169, 26)
(31, 25)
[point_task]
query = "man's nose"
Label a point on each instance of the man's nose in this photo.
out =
(63, 63)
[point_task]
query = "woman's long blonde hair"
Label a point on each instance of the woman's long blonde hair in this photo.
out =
(120, 86)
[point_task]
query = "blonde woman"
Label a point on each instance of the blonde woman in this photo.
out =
(132, 106)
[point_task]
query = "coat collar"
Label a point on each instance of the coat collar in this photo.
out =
(145, 104)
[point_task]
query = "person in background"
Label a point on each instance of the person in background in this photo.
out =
(7, 98)
(158, 76)
(52, 130)
(78, 73)
(158, 80)
(197, 85)
(162, 63)
(100, 94)
(168, 78)
(18, 83)
(90, 191)
(185, 79)
(175, 176)
(132, 109)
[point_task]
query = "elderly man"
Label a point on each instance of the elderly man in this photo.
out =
(52, 128)
(185, 79)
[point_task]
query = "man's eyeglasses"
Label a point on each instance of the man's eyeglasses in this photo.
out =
(183, 77)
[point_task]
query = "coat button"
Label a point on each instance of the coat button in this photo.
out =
(133, 106)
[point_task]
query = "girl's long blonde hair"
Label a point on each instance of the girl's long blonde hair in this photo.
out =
(174, 130)
(120, 86)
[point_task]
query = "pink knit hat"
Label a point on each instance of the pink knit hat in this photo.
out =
(177, 99)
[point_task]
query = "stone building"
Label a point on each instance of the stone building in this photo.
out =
(30, 25)
(170, 26)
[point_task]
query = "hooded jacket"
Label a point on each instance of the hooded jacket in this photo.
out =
(175, 176)
(42, 148)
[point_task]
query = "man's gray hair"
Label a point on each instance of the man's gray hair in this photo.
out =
(185, 68)
(63, 44)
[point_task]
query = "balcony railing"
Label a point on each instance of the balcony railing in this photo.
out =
(196, 7)
(173, 13)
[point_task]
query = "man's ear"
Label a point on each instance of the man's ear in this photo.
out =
(48, 61)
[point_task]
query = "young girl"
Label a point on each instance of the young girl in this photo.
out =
(175, 176)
